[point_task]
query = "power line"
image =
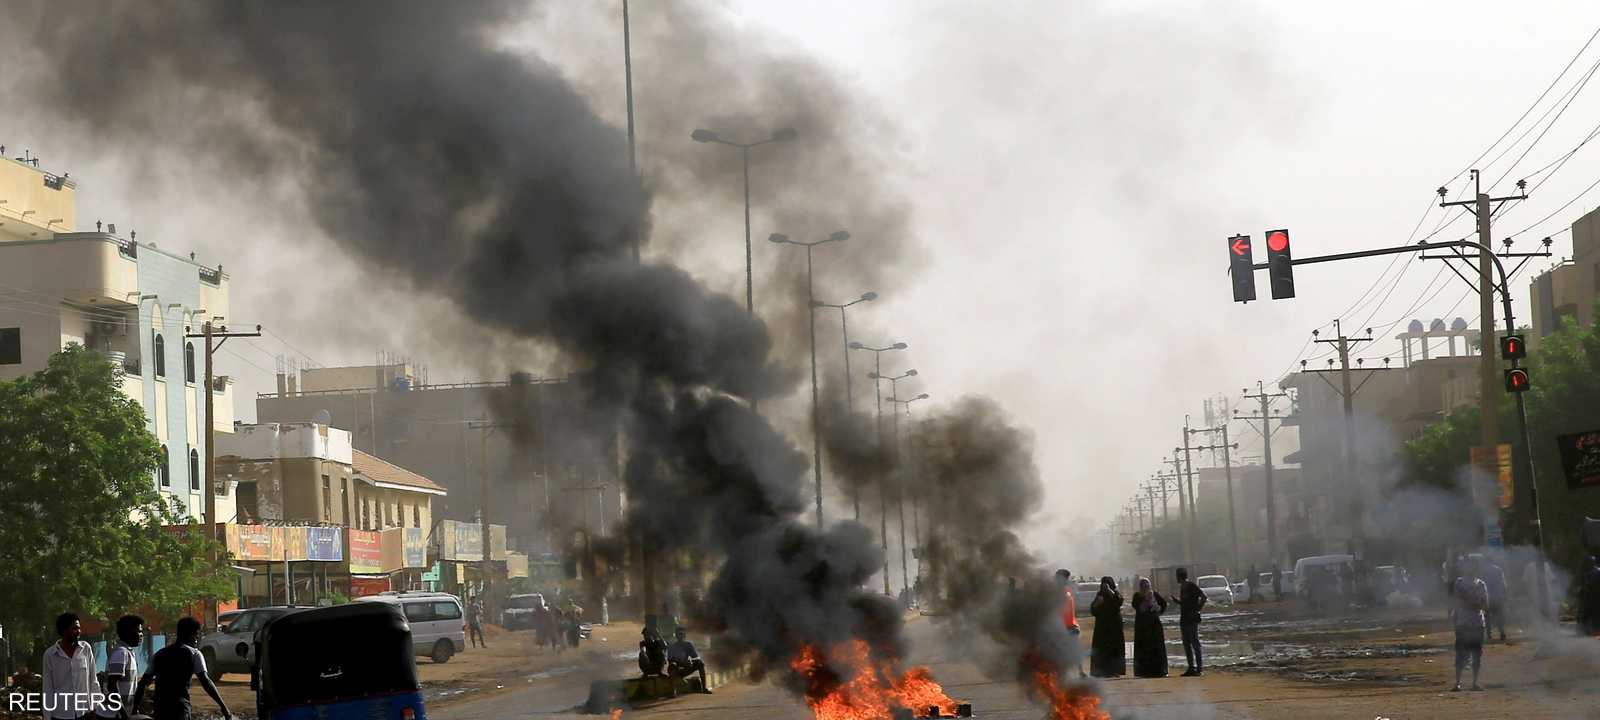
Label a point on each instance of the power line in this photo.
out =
(1577, 90)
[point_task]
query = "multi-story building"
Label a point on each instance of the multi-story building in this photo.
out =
(127, 299)
(1571, 288)
(524, 438)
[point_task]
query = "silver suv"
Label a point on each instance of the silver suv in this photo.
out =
(232, 649)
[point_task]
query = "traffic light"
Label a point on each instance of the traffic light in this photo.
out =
(1241, 265)
(1517, 380)
(1512, 347)
(1280, 268)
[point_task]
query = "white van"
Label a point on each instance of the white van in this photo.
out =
(1330, 562)
(438, 623)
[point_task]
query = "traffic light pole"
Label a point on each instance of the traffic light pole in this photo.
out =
(1485, 254)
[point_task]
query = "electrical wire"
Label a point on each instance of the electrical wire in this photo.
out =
(1575, 92)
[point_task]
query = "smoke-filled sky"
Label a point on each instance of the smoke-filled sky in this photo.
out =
(1039, 191)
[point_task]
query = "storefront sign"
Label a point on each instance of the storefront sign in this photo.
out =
(432, 575)
(366, 551)
(394, 549)
(415, 548)
(296, 545)
(256, 542)
(364, 586)
(1580, 458)
(325, 544)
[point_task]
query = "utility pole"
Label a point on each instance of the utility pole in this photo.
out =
(1183, 507)
(208, 489)
(485, 427)
(1165, 484)
(1266, 417)
(1227, 468)
(1352, 475)
(1188, 469)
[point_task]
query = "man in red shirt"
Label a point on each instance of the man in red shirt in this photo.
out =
(1069, 611)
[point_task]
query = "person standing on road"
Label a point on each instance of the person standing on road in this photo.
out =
(1107, 656)
(170, 671)
(1069, 612)
(475, 622)
(1588, 596)
(122, 669)
(68, 672)
(1149, 642)
(1471, 598)
(1190, 600)
(1495, 580)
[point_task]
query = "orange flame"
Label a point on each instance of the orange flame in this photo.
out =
(848, 684)
(616, 713)
(1065, 703)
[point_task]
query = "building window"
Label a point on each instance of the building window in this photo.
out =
(194, 469)
(365, 514)
(386, 514)
(327, 499)
(163, 473)
(188, 362)
(344, 501)
(161, 356)
(416, 516)
(11, 346)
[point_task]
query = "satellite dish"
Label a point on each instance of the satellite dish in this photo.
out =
(323, 417)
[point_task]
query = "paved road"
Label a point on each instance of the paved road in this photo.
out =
(560, 696)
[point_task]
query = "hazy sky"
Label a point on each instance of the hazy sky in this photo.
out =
(1072, 171)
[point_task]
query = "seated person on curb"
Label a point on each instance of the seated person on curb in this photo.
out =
(652, 652)
(683, 660)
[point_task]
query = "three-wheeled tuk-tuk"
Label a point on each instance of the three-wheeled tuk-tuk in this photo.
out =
(347, 662)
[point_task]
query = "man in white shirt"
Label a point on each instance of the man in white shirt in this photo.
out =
(69, 685)
(122, 669)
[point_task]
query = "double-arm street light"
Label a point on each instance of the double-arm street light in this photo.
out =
(811, 324)
(883, 497)
(849, 382)
(707, 136)
(894, 397)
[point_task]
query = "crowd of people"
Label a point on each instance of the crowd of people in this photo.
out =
(1107, 653)
(72, 689)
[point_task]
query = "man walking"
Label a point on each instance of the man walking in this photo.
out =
(122, 669)
(1471, 597)
(68, 672)
(475, 622)
(170, 671)
(1190, 599)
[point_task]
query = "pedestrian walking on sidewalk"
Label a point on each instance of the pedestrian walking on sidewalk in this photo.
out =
(1190, 600)
(171, 670)
(475, 622)
(1471, 598)
(122, 669)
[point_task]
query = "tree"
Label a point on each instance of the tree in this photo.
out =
(81, 522)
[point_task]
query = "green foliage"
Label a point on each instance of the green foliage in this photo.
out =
(81, 523)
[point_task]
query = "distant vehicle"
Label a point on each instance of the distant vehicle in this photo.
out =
(304, 672)
(1241, 591)
(438, 623)
(1082, 594)
(231, 649)
(1216, 589)
(224, 618)
(521, 610)
(1286, 579)
(1332, 563)
(1264, 591)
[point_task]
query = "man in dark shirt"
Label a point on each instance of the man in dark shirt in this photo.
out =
(170, 671)
(1190, 599)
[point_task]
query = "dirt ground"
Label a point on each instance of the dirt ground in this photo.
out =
(511, 659)
(1272, 660)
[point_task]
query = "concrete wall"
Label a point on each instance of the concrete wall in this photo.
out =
(30, 204)
(263, 441)
(290, 489)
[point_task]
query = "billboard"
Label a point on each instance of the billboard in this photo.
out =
(257, 542)
(463, 541)
(295, 544)
(1580, 458)
(366, 552)
(325, 544)
(414, 549)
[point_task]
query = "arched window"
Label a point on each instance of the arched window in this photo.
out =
(161, 356)
(194, 469)
(164, 473)
(188, 362)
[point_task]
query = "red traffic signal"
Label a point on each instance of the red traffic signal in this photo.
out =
(1513, 347)
(1517, 380)
(1280, 266)
(1241, 265)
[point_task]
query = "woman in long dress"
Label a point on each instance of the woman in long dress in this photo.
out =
(1107, 657)
(1149, 642)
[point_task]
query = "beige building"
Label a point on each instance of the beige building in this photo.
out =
(309, 473)
(1571, 288)
(60, 285)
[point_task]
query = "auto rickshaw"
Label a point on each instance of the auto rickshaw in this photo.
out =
(347, 662)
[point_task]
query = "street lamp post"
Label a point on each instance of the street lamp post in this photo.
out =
(811, 324)
(849, 382)
(707, 136)
(883, 495)
(917, 529)
(900, 491)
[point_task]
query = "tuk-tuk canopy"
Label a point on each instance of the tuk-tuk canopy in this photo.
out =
(335, 653)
